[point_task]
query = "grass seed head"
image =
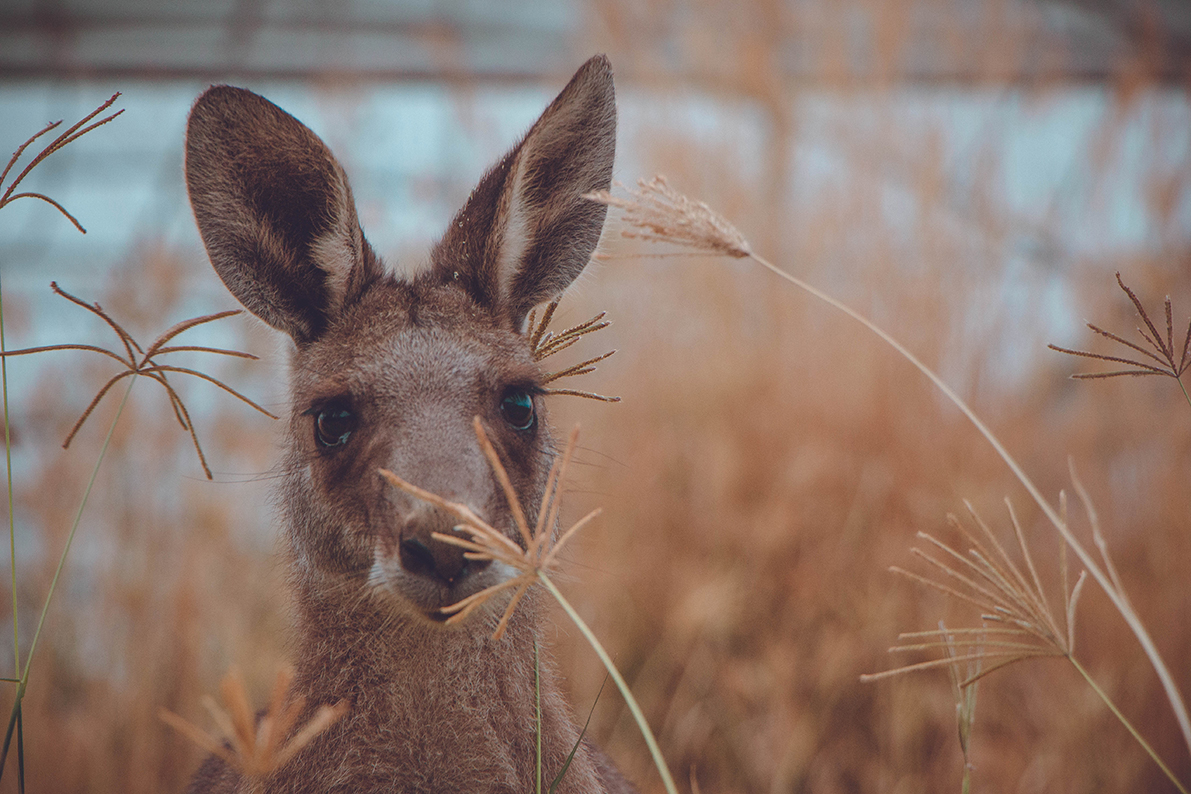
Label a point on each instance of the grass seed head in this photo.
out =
(256, 748)
(656, 212)
(485, 542)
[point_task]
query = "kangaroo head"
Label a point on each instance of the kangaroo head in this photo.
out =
(387, 372)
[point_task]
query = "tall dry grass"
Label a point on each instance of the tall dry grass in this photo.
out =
(768, 463)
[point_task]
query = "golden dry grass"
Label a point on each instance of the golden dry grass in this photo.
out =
(769, 462)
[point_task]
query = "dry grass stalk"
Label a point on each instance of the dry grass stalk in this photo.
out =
(546, 343)
(658, 213)
(1161, 360)
(534, 555)
(1017, 621)
(142, 361)
(257, 747)
(964, 696)
(72, 133)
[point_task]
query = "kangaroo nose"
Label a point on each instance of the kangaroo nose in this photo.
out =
(435, 559)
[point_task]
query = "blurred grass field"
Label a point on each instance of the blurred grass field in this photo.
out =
(768, 463)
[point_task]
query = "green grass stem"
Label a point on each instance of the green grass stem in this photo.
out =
(78, 516)
(14, 720)
(625, 692)
(12, 527)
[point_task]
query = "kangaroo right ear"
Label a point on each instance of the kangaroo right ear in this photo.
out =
(275, 212)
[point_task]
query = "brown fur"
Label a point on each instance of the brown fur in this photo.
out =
(432, 708)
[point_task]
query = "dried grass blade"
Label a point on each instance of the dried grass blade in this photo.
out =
(56, 144)
(942, 588)
(577, 393)
(209, 379)
(1115, 359)
(185, 325)
(582, 368)
(553, 345)
(1071, 604)
(91, 406)
(540, 329)
(1097, 535)
(502, 477)
(552, 509)
(504, 620)
(933, 663)
(566, 536)
(175, 400)
(1123, 341)
(156, 374)
(463, 512)
(1169, 331)
(200, 349)
(280, 716)
(225, 724)
(1025, 553)
(548, 495)
(235, 698)
(906, 635)
(1021, 598)
(126, 338)
(56, 205)
(1186, 357)
(929, 646)
(17, 155)
(1117, 373)
(1157, 339)
(993, 597)
(1004, 663)
(87, 129)
(197, 735)
(481, 551)
(479, 597)
(46, 348)
(1001, 555)
(324, 718)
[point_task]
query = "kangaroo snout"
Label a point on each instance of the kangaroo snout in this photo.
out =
(421, 554)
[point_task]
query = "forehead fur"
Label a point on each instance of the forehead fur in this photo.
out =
(416, 327)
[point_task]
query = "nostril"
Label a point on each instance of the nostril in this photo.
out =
(417, 558)
(437, 560)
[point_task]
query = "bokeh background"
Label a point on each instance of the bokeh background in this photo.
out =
(969, 174)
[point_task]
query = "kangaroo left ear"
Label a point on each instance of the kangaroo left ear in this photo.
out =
(275, 212)
(526, 232)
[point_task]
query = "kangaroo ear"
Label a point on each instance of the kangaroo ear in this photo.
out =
(275, 212)
(526, 232)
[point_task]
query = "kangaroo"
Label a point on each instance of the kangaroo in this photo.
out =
(388, 373)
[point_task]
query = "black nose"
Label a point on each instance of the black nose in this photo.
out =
(437, 560)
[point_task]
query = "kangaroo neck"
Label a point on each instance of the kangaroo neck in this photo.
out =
(345, 647)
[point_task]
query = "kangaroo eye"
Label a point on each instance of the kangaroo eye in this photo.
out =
(332, 426)
(517, 408)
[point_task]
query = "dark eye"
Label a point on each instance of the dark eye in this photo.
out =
(517, 408)
(333, 424)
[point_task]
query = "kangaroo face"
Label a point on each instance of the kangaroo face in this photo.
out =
(389, 373)
(395, 384)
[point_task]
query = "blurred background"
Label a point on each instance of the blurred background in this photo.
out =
(968, 174)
